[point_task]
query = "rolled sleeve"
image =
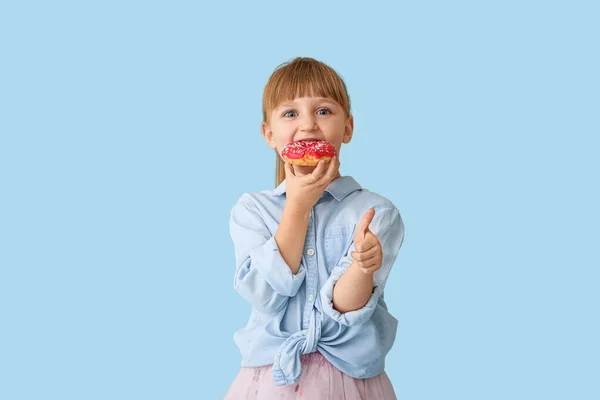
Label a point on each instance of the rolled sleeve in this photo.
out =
(262, 276)
(271, 266)
(388, 226)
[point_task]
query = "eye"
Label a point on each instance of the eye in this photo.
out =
(285, 114)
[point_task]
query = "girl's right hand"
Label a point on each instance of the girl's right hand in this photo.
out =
(303, 191)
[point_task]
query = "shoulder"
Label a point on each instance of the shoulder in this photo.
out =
(364, 199)
(387, 216)
(256, 201)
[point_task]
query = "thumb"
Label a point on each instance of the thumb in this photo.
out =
(363, 225)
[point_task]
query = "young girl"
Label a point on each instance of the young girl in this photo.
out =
(313, 257)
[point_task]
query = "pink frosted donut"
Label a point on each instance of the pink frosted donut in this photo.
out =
(308, 152)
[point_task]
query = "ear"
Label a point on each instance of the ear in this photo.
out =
(268, 134)
(348, 130)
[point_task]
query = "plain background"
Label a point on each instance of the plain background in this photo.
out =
(129, 130)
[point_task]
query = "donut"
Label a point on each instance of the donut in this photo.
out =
(308, 152)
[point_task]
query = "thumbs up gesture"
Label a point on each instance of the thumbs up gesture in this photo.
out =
(368, 254)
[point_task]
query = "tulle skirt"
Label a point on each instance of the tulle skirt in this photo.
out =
(320, 380)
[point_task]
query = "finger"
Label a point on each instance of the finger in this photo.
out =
(367, 265)
(326, 173)
(370, 270)
(332, 168)
(365, 244)
(323, 165)
(366, 254)
(289, 170)
(370, 264)
(373, 267)
(363, 225)
(318, 171)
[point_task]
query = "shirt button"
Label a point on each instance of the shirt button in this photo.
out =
(310, 252)
(275, 358)
(310, 297)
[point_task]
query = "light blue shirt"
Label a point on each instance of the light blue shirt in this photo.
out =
(293, 314)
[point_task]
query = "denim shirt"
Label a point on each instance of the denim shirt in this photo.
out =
(293, 314)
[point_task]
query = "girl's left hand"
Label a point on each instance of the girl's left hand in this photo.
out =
(368, 254)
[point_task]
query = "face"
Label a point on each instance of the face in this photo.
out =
(308, 118)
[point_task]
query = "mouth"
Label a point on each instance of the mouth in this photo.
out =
(309, 139)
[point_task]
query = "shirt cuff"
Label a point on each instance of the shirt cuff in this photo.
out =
(269, 263)
(350, 318)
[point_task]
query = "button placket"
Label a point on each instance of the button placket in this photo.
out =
(311, 275)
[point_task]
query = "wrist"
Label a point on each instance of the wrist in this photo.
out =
(296, 210)
(358, 270)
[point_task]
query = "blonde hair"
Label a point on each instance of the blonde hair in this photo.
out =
(301, 77)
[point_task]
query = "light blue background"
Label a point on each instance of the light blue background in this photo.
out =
(121, 124)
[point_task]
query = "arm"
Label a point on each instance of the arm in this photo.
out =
(356, 297)
(353, 289)
(262, 275)
(291, 234)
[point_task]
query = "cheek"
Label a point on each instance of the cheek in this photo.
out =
(281, 142)
(282, 139)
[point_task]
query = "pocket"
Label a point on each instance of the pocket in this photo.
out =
(337, 241)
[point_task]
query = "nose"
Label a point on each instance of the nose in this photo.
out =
(307, 123)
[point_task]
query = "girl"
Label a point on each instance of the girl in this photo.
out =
(313, 257)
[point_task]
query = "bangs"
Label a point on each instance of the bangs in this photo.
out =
(303, 77)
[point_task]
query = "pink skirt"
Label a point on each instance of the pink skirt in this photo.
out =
(319, 380)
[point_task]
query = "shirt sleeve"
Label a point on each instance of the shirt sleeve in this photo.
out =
(388, 226)
(262, 276)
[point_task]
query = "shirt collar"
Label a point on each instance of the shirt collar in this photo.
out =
(339, 188)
